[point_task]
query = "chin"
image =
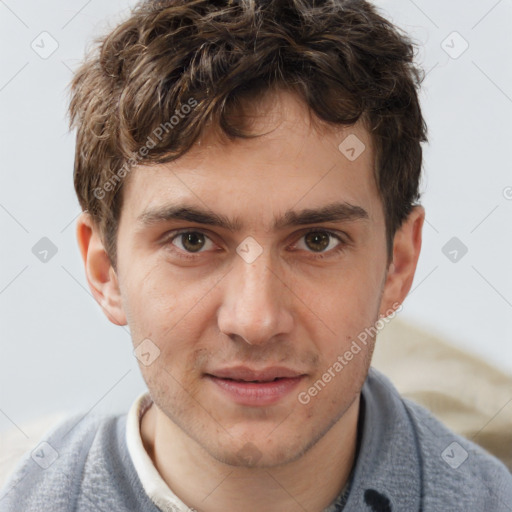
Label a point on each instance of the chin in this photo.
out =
(260, 452)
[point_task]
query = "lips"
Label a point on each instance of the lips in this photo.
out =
(251, 387)
(245, 374)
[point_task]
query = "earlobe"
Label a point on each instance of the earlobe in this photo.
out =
(100, 274)
(406, 251)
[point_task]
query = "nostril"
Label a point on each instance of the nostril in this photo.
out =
(377, 501)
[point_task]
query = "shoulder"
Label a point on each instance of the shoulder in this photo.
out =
(455, 467)
(51, 472)
(412, 450)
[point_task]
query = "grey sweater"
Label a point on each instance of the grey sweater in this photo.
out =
(407, 462)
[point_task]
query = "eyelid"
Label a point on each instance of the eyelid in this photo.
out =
(342, 238)
(336, 234)
(170, 236)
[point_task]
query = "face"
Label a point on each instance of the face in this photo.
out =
(249, 261)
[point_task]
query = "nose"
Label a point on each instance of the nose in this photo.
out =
(256, 303)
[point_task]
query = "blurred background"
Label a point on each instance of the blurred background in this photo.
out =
(59, 352)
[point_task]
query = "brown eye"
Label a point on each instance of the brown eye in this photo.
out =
(191, 241)
(321, 244)
(318, 241)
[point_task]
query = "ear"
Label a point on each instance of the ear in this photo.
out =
(406, 251)
(100, 274)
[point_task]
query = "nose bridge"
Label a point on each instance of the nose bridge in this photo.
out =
(254, 306)
(257, 282)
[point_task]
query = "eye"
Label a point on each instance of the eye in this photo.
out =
(191, 241)
(320, 241)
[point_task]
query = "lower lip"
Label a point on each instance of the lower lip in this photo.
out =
(256, 393)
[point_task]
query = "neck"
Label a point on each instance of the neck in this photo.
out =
(311, 482)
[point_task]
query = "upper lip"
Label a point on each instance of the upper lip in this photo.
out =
(249, 374)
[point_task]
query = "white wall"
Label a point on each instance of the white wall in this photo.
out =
(58, 351)
(467, 102)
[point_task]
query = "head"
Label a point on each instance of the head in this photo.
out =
(282, 140)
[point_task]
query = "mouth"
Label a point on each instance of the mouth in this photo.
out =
(258, 381)
(246, 386)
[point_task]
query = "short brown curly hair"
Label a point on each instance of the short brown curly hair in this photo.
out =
(193, 63)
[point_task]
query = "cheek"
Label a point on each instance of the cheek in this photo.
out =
(347, 304)
(175, 393)
(174, 377)
(161, 303)
(331, 394)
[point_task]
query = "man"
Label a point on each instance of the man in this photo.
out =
(248, 172)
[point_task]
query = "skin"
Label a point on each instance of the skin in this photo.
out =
(214, 310)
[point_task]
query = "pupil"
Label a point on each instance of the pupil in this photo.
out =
(321, 240)
(193, 241)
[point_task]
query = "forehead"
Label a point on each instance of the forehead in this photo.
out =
(293, 162)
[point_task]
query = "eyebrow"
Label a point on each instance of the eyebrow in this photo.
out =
(334, 212)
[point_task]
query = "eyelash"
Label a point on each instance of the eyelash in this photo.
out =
(332, 252)
(315, 256)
